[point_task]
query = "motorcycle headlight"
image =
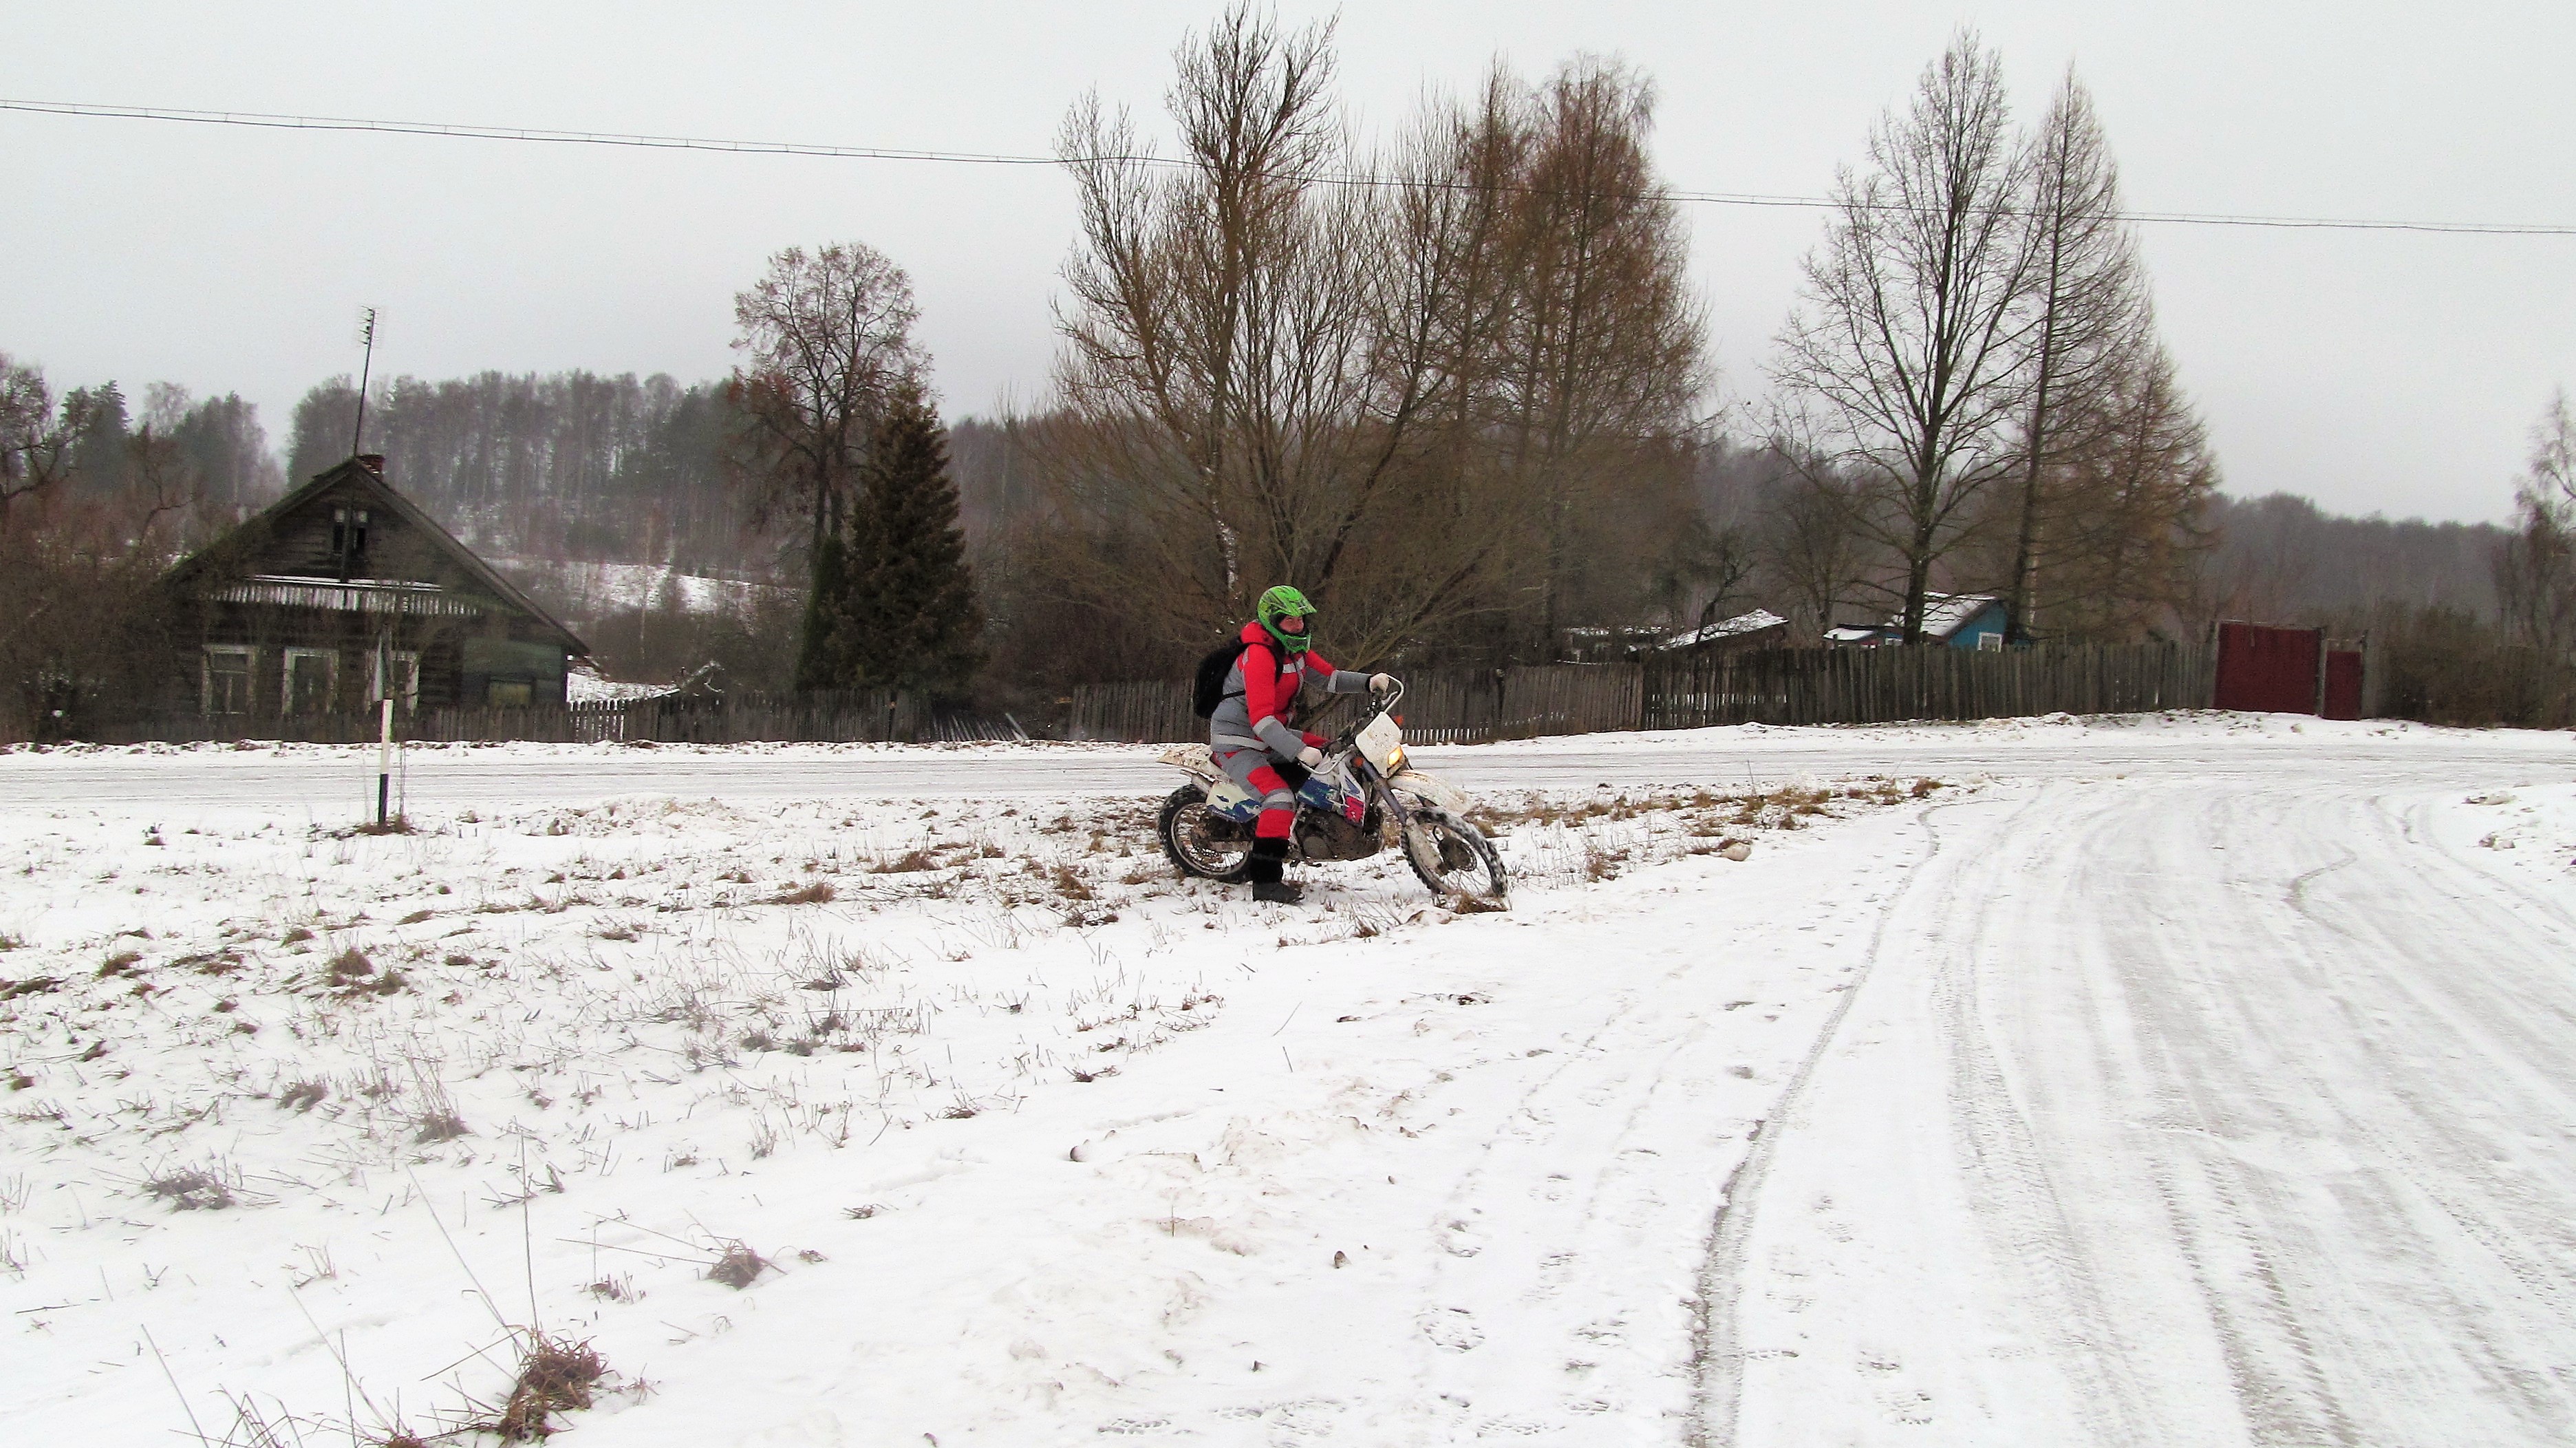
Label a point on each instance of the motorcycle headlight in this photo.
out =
(1395, 759)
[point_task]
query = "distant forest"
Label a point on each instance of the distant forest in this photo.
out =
(576, 467)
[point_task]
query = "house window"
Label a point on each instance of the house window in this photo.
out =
(510, 693)
(1990, 643)
(348, 538)
(227, 687)
(397, 676)
(311, 681)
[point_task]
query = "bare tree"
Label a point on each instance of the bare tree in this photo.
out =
(1201, 296)
(1904, 366)
(2535, 568)
(1607, 350)
(37, 441)
(1812, 553)
(1410, 381)
(2088, 314)
(827, 336)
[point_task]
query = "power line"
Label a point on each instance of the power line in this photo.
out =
(977, 158)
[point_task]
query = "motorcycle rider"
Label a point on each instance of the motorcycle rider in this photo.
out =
(1253, 731)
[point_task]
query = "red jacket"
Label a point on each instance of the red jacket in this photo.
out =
(1269, 683)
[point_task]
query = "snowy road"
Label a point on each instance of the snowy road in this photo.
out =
(2178, 1113)
(325, 781)
(2200, 1081)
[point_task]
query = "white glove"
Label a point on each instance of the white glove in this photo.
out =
(1311, 757)
(1380, 683)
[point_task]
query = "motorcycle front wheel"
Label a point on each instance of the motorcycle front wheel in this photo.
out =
(1201, 843)
(1453, 857)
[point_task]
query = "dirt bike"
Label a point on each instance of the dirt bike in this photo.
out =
(1366, 796)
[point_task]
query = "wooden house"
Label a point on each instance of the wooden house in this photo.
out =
(1952, 620)
(343, 593)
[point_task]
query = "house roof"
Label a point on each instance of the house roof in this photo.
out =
(369, 480)
(1743, 623)
(1946, 613)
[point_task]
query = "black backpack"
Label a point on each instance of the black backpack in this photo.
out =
(1208, 690)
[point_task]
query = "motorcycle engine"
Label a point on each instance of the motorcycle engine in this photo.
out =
(1322, 836)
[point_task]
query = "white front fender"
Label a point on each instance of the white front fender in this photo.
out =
(1414, 784)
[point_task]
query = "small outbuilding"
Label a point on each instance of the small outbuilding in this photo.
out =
(1760, 629)
(343, 593)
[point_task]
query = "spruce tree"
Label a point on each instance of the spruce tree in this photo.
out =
(913, 619)
(823, 653)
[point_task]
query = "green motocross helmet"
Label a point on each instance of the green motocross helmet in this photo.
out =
(1283, 603)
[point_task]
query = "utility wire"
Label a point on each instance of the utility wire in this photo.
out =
(978, 158)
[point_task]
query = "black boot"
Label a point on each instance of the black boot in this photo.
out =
(1265, 868)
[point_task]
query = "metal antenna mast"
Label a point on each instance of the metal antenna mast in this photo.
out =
(367, 337)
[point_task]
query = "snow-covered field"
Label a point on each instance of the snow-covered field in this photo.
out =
(2202, 1079)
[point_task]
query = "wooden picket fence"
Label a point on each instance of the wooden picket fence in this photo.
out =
(1768, 686)
(1885, 685)
(1441, 706)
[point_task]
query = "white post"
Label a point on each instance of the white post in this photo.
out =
(385, 763)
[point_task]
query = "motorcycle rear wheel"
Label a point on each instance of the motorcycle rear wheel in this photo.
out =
(1194, 846)
(1453, 857)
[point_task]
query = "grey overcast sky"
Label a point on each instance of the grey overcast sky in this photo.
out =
(2372, 371)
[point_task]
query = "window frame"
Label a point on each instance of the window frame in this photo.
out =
(407, 669)
(248, 654)
(286, 679)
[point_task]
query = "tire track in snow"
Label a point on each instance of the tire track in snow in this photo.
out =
(2319, 1182)
(2019, 1206)
(1717, 1348)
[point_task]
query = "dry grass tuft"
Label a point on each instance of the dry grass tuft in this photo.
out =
(439, 1126)
(193, 1189)
(396, 825)
(738, 1266)
(555, 1377)
(910, 862)
(819, 892)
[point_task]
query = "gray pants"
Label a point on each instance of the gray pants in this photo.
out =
(1271, 780)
